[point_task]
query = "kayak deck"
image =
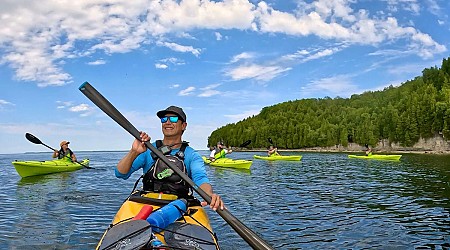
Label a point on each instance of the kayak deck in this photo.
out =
(377, 157)
(193, 226)
(228, 163)
(32, 168)
(279, 157)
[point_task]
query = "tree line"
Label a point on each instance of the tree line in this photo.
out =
(418, 108)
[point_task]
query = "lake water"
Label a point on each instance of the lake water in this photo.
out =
(326, 201)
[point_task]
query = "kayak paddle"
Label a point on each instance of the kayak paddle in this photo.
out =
(248, 235)
(245, 144)
(36, 140)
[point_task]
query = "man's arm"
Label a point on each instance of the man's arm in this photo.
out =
(124, 165)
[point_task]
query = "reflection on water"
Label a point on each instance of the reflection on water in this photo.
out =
(324, 201)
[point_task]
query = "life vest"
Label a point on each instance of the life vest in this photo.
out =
(161, 178)
(62, 154)
(220, 154)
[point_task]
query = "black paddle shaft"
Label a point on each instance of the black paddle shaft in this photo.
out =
(248, 235)
(36, 140)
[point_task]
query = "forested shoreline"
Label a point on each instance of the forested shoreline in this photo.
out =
(418, 109)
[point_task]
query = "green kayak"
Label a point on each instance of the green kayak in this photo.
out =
(228, 163)
(377, 157)
(31, 168)
(279, 157)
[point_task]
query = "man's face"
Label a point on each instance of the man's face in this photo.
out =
(170, 128)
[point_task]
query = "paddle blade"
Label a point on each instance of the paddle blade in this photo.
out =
(182, 235)
(132, 234)
(245, 144)
(32, 138)
(270, 140)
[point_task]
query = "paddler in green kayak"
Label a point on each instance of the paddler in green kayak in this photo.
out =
(158, 177)
(219, 152)
(272, 151)
(65, 152)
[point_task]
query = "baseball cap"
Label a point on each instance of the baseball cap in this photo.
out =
(172, 110)
(64, 142)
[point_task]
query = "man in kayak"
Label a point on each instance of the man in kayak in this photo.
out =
(219, 152)
(158, 177)
(272, 151)
(65, 152)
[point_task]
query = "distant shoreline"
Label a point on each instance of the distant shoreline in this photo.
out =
(314, 150)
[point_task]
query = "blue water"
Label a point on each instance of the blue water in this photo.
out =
(326, 201)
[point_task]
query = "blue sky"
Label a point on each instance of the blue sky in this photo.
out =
(221, 61)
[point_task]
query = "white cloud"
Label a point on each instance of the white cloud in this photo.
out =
(181, 48)
(161, 66)
(332, 86)
(218, 36)
(64, 104)
(83, 109)
(44, 38)
(257, 72)
(187, 91)
(209, 90)
(242, 56)
(241, 116)
(4, 104)
(97, 62)
(174, 86)
(304, 55)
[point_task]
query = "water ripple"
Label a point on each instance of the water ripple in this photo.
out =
(325, 201)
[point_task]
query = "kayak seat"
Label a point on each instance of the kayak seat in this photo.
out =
(137, 197)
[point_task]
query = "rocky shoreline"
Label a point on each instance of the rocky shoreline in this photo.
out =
(436, 145)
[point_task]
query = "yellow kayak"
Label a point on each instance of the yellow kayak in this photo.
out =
(130, 230)
(377, 157)
(228, 163)
(279, 157)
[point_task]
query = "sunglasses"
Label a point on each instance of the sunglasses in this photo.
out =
(173, 119)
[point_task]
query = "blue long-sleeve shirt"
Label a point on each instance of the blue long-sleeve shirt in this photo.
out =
(195, 166)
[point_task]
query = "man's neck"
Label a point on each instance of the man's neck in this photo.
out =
(176, 141)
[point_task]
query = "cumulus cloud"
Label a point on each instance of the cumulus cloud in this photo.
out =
(39, 43)
(83, 109)
(161, 66)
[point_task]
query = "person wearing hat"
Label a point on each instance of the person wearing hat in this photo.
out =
(65, 152)
(219, 151)
(158, 177)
